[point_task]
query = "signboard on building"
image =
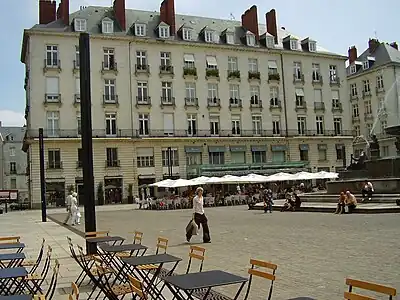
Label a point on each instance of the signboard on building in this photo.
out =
(8, 195)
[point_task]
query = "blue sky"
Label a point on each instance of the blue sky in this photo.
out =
(336, 25)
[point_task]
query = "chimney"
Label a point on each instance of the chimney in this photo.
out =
(373, 44)
(271, 24)
(63, 12)
(47, 11)
(167, 14)
(394, 45)
(119, 11)
(250, 21)
(352, 54)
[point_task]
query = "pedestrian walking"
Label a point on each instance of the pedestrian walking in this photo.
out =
(68, 206)
(199, 217)
(76, 215)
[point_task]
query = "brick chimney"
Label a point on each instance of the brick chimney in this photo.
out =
(271, 24)
(373, 44)
(47, 11)
(352, 54)
(119, 11)
(394, 45)
(63, 12)
(250, 21)
(167, 15)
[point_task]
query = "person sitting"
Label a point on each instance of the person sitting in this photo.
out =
(367, 190)
(350, 202)
(297, 201)
(341, 204)
(289, 204)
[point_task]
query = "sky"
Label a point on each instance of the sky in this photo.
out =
(335, 25)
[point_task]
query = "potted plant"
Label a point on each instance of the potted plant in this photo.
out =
(130, 193)
(100, 194)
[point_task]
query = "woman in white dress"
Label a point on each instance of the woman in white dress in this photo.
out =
(75, 210)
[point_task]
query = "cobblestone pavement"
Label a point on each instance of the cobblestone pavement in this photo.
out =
(314, 252)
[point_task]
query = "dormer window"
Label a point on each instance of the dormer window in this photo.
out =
(107, 26)
(250, 39)
(312, 46)
(187, 34)
(230, 38)
(293, 44)
(163, 31)
(209, 36)
(353, 69)
(140, 29)
(366, 65)
(270, 42)
(80, 25)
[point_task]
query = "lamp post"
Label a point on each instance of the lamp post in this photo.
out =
(169, 162)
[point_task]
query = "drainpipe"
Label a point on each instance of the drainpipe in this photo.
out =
(285, 110)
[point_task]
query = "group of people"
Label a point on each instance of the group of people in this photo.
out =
(347, 203)
(73, 213)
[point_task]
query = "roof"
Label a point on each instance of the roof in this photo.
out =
(95, 14)
(17, 134)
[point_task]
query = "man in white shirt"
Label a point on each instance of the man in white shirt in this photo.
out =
(199, 216)
(68, 203)
(367, 190)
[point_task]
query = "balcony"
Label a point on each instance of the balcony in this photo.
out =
(166, 70)
(317, 79)
(54, 165)
(109, 67)
(298, 78)
(77, 99)
(301, 106)
(275, 104)
(353, 97)
(79, 164)
(366, 93)
(190, 73)
(191, 102)
(167, 101)
(355, 119)
(142, 69)
(212, 74)
(74, 133)
(13, 171)
(50, 99)
(52, 65)
(319, 106)
(110, 99)
(334, 80)
(143, 100)
(235, 103)
(233, 75)
(254, 75)
(274, 77)
(256, 104)
(368, 116)
(379, 90)
(213, 102)
(337, 108)
(115, 163)
(76, 66)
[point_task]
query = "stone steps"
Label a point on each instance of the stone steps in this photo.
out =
(329, 198)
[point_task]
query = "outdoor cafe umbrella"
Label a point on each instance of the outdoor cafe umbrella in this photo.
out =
(200, 180)
(253, 178)
(163, 183)
(279, 177)
(302, 176)
(325, 175)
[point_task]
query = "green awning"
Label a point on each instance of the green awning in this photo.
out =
(258, 148)
(216, 148)
(237, 148)
(193, 149)
(276, 148)
(304, 147)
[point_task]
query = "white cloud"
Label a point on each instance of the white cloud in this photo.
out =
(11, 118)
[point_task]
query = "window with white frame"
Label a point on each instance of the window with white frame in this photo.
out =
(300, 98)
(112, 157)
(53, 123)
(337, 125)
(355, 110)
(107, 26)
(111, 124)
(13, 183)
(318, 96)
(353, 89)
(368, 107)
(187, 34)
(145, 157)
(276, 126)
(366, 86)
(379, 82)
(235, 122)
(166, 92)
(366, 64)
(385, 151)
(77, 59)
(270, 42)
(297, 70)
(322, 154)
(335, 99)
(357, 130)
(302, 125)
(170, 157)
(109, 59)
(192, 124)
(212, 89)
(79, 124)
(169, 124)
(294, 44)
(230, 38)
(80, 25)
(141, 58)
(52, 56)
(353, 69)
(250, 39)
(165, 58)
(319, 122)
(163, 32)
(214, 125)
(333, 73)
(316, 72)
(274, 96)
(312, 46)
(144, 124)
(52, 89)
(193, 159)
(254, 94)
(109, 90)
(253, 65)
(142, 92)
(381, 106)
(272, 67)
(54, 158)
(12, 151)
(234, 96)
(232, 63)
(190, 89)
(188, 61)
(257, 124)
(140, 29)
(211, 63)
(209, 36)
(216, 158)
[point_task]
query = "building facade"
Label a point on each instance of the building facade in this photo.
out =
(374, 85)
(181, 96)
(13, 160)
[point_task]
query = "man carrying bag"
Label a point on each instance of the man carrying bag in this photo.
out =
(198, 218)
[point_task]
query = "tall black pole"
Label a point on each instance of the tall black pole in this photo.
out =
(169, 154)
(87, 143)
(42, 176)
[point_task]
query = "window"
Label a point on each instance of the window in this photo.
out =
(212, 91)
(78, 123)
(297, 70)
(368, 129)
(312, 46)
(145, 157)
(52, 56)
(216, 158)
(76, 62)
(322, 155)
(276, 127)
(13, 167)
(188, 61)
(335, 99)
(353, 88)
(111, 124)
(300, 98)
(80, 24)
(353, 69)
(303, 154)
(168, 124)
(142, 91)
(165, 59)
(238, 156)
(366, 86)
(192, 124)
(211, 63)
(385, 151)
(356, 111)
(259, 157)
(337, 125)
(278, 156)
(383, 125)
(379, 82)
(209, 36)
(332, 73)
(52, 89)
(170, 157)
(109, 90)
(274, 96)
(232, 64)
(318, 96)
(301, 125)
(112, 157)
(357, 130)
(367, 107)
(144, 124)
(257, 124)
(319, 122)
(214, 125)
(316, 73)
(253, 65)
(366, 65)
(166, 92)
(54, 159)
(141, 58)
(107, 26)
(250, 39)
(270, 42)
(187, 34)
(109, 59)
(235, 125)
(163, 32)
(78, 89)
(254, 94)
(234, 96)
(140, 29)
(230, 38)
(293, 44)
(12, 151)
(190, 88)
(53, 123)
(193, 159)
(13, 183)
(272, 67)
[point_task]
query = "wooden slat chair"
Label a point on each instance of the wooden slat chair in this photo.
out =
(10, 239)
(162, 245)
(34, 264)
(34, 281)
(94, 267)
(74, 293)
(52, 286)
(369, 286)
(137, 288)
(137, 239)
(95, 234)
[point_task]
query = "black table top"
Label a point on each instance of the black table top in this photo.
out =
(12, 273)
(105, 239)
(151, 259)
(16, 297)
(201, 280)
(7, 246)
(12, 256)
(121, 248)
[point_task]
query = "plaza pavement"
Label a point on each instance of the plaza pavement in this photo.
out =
(314, 252)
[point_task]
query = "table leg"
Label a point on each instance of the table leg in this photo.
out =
(239, 291)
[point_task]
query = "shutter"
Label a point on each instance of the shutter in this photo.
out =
(335, 94)
(144, 151)
(238, 157)
(168, 123)
(211, 61)
(52, 85)
(300, 92)
(272, 64)
(318, 96)
(278, 156)
(77, 86)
